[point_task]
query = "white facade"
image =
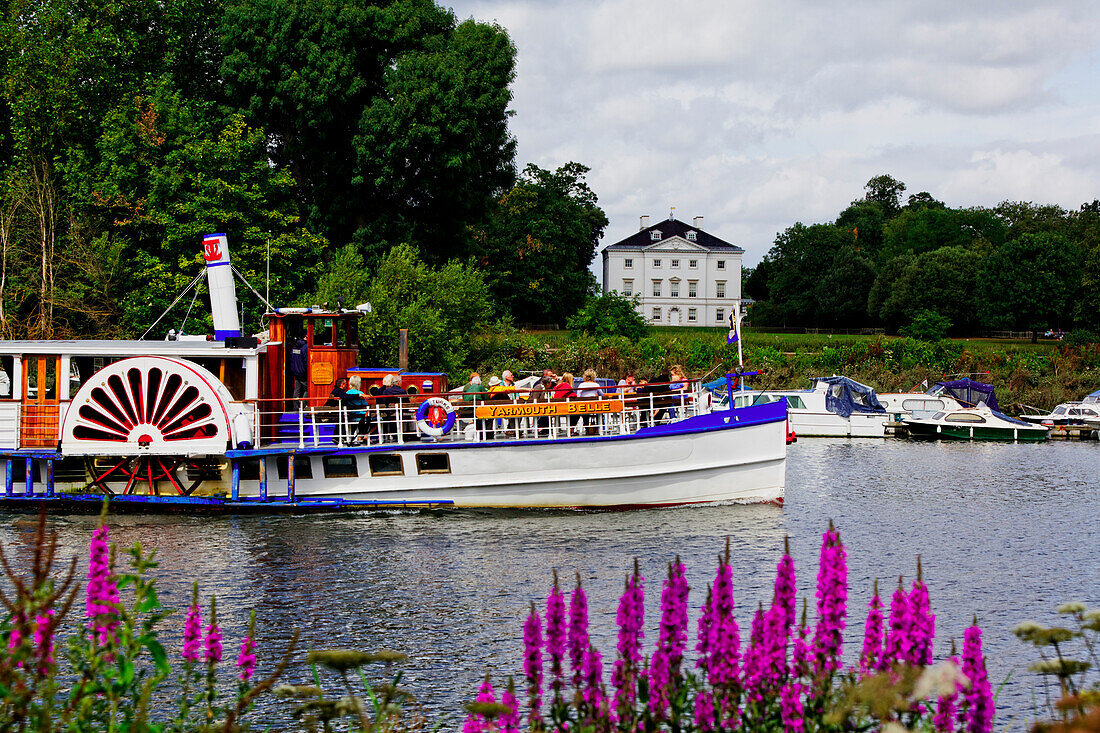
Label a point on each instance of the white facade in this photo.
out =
(680, 282)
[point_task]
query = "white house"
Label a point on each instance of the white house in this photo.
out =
(682, 275)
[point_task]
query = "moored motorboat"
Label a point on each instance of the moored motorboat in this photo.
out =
(974, 423)
(1082, 412)
(833, 407)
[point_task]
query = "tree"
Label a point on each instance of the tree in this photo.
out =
(610, 314)
(390, 116)
(927, 325)
(797, 260)
(1029, 282)
(925, 229)
(842, 289)
(944, 281)
(886, 191)
(538, 244)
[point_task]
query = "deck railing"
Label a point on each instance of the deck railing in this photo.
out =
(522, 415)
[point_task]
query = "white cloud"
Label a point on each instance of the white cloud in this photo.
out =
(758, 115)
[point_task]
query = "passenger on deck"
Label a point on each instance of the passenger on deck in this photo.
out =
(355, 402)
(564, 391)
(589, 389)
(389, 398)
(677, 384)
(627, 384)
(336, 396)
(544, 390)
(474, 394)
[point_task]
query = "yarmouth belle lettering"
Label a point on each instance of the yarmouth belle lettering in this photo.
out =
(548, 409)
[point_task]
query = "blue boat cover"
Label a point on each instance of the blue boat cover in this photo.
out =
(968, 392)
(846, 396)
(1012, 419)
(1092, 397)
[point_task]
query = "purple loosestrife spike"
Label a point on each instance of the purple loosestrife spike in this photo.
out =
(660, 678)
(872, 634)
(922, 622)
(674, 616)
(509, 722)
(246, 660)
(192, 629)
(790, 706)
(786, 588)
(752, 671)
(725, 635)
(213, 635)
(898, 640)
(478, 723)
(556, 636)
(578, 630)
(44, 626)
(102, 603)
(592, 674)
(979, 696)
(532, 664)
(631, 620)
(704, 711)
(947, 712)
(801, 654)
(706, 621)
(832, 602)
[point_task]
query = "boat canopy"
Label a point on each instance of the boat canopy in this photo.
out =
(845, 396)
(1092, 398)
(968, 392)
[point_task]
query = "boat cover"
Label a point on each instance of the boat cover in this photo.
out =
(969, 392)
(1012, 420)
(846, 396)
(1092, 397)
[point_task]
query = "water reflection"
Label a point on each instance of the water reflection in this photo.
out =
(1006, 532)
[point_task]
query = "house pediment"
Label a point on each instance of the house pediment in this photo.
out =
(675, 244)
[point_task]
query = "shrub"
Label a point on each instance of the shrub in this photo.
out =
(609, 314)
(927, 325)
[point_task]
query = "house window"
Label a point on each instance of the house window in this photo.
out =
(720, 315)
(691, 236)
(656, 263)
(656, 288)
(674, 290)
(656, 314)
(693, 264)
(655, 235)
(721, 264)
(691, 315)
(385, 464)
(628, 287)
(339, 466)
(720, 289)
(675, 263)
(628, 263)
(693, 288)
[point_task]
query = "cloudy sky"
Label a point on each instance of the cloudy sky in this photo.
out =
(758, 114)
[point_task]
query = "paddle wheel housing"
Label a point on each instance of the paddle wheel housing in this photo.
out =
(150, 405)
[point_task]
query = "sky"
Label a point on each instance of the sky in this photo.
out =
(757, 115)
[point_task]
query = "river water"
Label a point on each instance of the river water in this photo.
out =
(1006, 533)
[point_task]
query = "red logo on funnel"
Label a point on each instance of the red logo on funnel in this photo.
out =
(212, 249)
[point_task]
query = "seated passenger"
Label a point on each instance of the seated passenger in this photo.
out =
(389, 398)
(357, 407)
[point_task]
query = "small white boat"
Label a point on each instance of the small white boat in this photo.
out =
(833, 407)
(1082, 412)
(940, 397)
(974, 423)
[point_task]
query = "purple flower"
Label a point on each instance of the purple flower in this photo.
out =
(631, 620)
(872, 634)
(213, 644)
(43, 639)
(801, 654)
(947, 710)
(922, 623)
(192, 631)
(578, 630)
(509, 721)
(660, 677)
(979, 696)
(102, 602)
(832, 602)
(246, 660)
(706, 621)
(664, 665)
(898, 641)
(592, 679)
(790, 706)
(532, 663)
(725, 635)
(478, 723)
(785, 586)
(555, 636)
(704, 711)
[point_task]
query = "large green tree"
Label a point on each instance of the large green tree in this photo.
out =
(1030, 282)
(390, 115)
(539, 243)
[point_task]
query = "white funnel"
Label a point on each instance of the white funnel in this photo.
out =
(219, 278)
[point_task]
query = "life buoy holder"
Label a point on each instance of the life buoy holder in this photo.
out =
(435, 416)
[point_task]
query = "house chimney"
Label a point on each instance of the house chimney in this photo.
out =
(697, 222)
(643, 222)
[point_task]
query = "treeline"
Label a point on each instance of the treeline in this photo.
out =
(1018, 266)
(312, 133)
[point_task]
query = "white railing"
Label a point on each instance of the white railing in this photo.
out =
(615, 413)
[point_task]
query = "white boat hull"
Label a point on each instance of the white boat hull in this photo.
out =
(830, 425)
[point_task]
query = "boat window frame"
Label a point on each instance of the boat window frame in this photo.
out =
(303, 467)
(421, 470)
(331, 471)
(964, 418)
(372, 457)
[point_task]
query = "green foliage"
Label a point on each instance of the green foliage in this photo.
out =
(1082, 337)
(610, 314)
(538, 243)
(927, 325)
(1030, 281)
(440, 307)
(1070, 657)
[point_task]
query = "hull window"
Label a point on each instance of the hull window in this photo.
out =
(339, 466)
(433, 463)
(303, 467)
(386, 464)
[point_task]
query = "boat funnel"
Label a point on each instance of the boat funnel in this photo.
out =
(223, 294)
